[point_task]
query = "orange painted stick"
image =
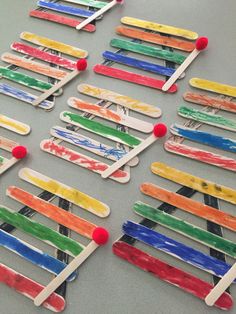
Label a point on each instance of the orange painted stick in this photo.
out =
(190, 206)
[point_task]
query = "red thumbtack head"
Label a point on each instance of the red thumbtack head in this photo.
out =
(160, 130)
(19, 152)
(201, 43)
(81, 65)
(100, 236)
(119, 1)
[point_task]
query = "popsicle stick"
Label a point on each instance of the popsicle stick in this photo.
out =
(14, 125)
(59, 19)
(100, 129)
(7, 144)
(64, 8)
(176, 249)
(7, 164)
(110, 115)
(214, 87)
(40, 231)
(208, 118)
(132, 77)
(53, 44)
(125, 101)
(81, 160)
(166, 29)
(64, 191)
(98, 13)
(168, 273)
(33, 66)
(147, 50)
(89, 3)
(191, 231)
(190, 206)
(201, 155)
(29, 288)
(23, 96)
(214, 102)
(222, 285)
(155, 38)
(32, 254)
(137, 63)
(87, 143)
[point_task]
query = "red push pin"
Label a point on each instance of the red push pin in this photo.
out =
(159, 130)
(201, 44)
(19, 152)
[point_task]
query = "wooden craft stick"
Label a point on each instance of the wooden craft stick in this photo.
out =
(154, 38)
(54, 45)
(147, 50)
(191, 231)
(14, 125)
(132, 77)
(207, 118)
(190, 206)
(32, 254)
(7, 144)
(214, 87)
(81, 160)
(199, 184)
(222, 285)
(161, 28)
(33, 66)
(159, 130)
(214, 102)
(81, 66)
(176, 249)
(125, 101)
(110, 115)
(89, 3)
(201, 155)
(98, 13)
(205, 138)
(29, 288)
(59, 19)
(201, 44)
(169, 273)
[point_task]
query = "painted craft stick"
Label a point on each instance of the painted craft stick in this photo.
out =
(159, 130)
(29, 288)
(81, 66)
(190, 206)
(222, 285)
(84, 161)
(199, 184)
(155, 38)
(170, 274)
(125, 101)
(59, 19)
(64, 8)
(174, 248)
(100, 237)
(40, 232)
(205, 138)
(201, 44)
(138, 63)
(161, 28)
(64, 191)
(214, 102)
(214, 87)
(14, 125)
(208, 118)
(110, 115)
(180, 226)
(132, 77)
(24, 96)
(98, 13)
(51, 211)
(33, 66)
(201, 155)
(7, 144)
(32, 254)
(147, 50)
(54, 45)
(89, 3)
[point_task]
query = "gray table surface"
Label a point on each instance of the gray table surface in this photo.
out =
(106, 284)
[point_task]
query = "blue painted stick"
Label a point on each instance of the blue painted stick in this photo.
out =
(176, 249)
(204, 138)
(137, 63)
